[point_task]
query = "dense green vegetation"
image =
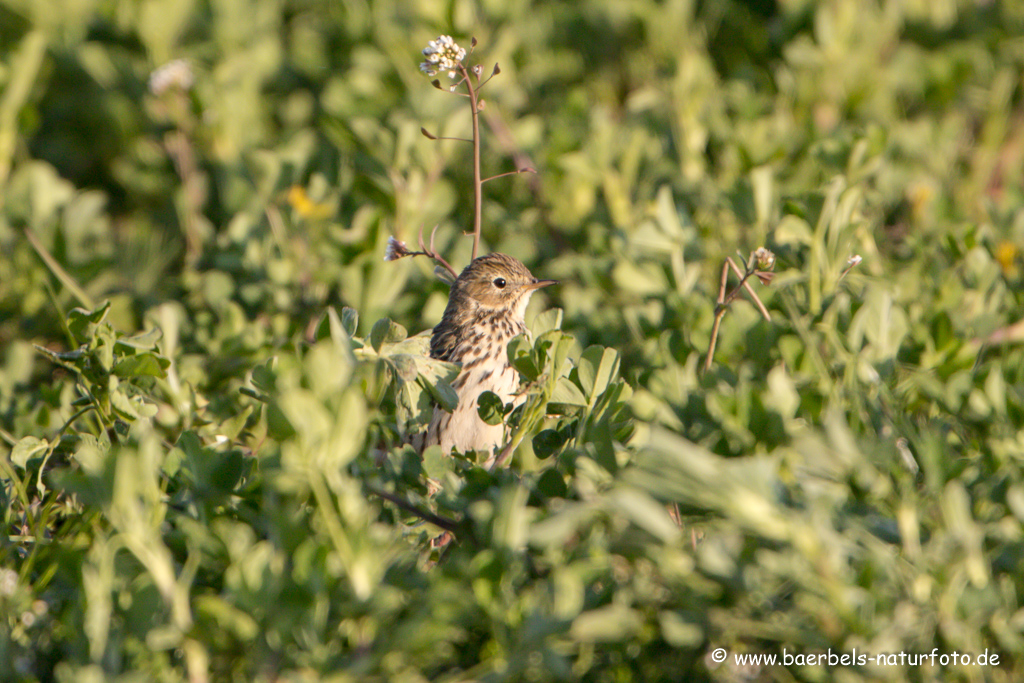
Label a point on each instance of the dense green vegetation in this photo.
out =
(202, 394)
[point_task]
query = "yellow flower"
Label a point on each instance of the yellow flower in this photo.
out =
(1006, 257)
(306, 207)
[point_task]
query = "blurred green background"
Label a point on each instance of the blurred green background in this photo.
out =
(847, 475)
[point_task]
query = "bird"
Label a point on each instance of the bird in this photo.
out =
(485, 312)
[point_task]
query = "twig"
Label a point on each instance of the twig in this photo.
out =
(432, 253)
(724, 300)
(500, 459)
(58, 271)
(502, 175)
(719, 314)
(745, 281)
(438, 521)
(507, 140)
(430, 136)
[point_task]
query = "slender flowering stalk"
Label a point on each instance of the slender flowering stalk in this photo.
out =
(171, 85)
(397, 249)
(851, 263)
(760, 265)
(478, 185)
(445, 55)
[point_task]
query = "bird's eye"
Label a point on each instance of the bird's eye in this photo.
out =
(499, 282)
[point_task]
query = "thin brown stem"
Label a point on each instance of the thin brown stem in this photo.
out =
(438, 521)
(430, 136)
(745, 281)
(724, 281)
(724, 300)
(719, 314)
(502, 175)
(432, 253)
(477, 182)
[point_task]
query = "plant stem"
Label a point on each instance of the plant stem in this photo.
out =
(58, 271)
(449, 525)
(745, 281)
(719, 314)
(478, 184)
(724, 300)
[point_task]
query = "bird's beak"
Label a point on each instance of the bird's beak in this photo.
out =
(537, 284)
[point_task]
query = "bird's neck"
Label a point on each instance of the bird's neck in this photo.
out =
(474, 329)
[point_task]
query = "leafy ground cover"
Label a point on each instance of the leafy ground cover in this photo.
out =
(206, 365)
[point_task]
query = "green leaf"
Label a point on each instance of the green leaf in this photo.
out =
(547, 321)
(349, 321)
(264, 378)
(436, 377)
(27, 448)
(606, 624)
(79, 320)
(234, 425)
(226, 617)
(339, 333)
(597, 366)
(645, 513)
(226, 470)
(416, 345)
(436, 463)
(442, 392)
(142, 365)
(145, 341)
(386, 332)
(278, 425)
(404, 366)
(567, 393)
(511, 518)
(678, 631)
(548, 442)
(123, 404)
(551, 484)
(520, 355)
(490, 408)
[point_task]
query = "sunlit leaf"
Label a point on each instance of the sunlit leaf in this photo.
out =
(27, 448)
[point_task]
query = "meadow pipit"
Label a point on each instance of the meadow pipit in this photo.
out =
(485, 311)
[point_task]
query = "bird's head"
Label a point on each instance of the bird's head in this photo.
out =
(496, 282)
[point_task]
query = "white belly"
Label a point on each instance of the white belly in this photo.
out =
(463, 429)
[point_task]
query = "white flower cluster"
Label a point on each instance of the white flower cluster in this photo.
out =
(443, 54)
(173, 74)
(764, 258)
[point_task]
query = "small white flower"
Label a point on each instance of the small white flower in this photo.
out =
(395, 250)
(765, 258)
(854, 260)
(443, 54)
(174, 74)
